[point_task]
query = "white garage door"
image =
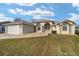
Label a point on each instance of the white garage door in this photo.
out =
(14, 29)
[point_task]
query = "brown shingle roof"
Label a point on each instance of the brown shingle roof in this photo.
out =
(67, 21)
(18, 23)
(43, 21)
(5, 22)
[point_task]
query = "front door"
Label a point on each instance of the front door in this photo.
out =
(47, 27)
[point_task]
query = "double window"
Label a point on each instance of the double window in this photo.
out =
(64, 27)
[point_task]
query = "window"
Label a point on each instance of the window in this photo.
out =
(64, 27)
(47, 26)
(38, 28)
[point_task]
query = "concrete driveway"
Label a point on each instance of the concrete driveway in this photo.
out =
(10, 36)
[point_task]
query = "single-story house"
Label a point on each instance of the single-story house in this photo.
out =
(64, 27)
(45, 26)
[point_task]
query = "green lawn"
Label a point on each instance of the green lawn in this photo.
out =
(48, 46)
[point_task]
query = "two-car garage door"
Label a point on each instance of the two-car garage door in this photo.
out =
(14, 29)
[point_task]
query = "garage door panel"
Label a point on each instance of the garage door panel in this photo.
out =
(13, 29)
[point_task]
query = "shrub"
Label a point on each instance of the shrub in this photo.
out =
(77, 32)
(54, 32)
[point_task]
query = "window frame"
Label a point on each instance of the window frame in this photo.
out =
(64, 28)
(47, 26)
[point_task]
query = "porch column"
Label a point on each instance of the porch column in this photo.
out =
(50, 27)
(42, 27)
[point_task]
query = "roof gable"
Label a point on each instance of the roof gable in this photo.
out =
(67, 21)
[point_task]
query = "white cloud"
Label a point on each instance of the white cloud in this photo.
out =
(2, 15)
(74, 17)
(43, 7)
(16, 11)
(36, 17)
(75, 4)
(39, 11)
(12, 11)
(25, 4)
(34, 13)
(4, 18)
(22, 4)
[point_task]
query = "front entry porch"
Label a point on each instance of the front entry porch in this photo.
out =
(45, 27)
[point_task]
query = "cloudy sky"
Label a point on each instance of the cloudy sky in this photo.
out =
(29, 11)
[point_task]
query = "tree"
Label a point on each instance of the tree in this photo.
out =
(18, 20)
(77, 30)
(34, 20)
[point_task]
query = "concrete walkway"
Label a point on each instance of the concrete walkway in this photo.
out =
(10, 36)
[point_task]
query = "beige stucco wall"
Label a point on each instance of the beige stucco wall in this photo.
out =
(40, 25)
(65, 32)
(54, 28)
(73, 29)
(28, 29)
(70, 29)
(14, 29)
(58, 29)
(42, 28)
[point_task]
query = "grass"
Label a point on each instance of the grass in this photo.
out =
(52, 45)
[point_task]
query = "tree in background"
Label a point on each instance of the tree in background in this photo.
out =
(77, 30)
(18, 20)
